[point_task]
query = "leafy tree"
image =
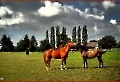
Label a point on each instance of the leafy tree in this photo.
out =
(93, 41)
(57, 36)
(7, 44)
(26, 41)
(33, 44)
(45, 46)
(84, 36)
(79, 34)
(107, 42)
(118, 45)
(23, 44)
(52, 38)
(10, 44)
(20, 46)
(74, 35)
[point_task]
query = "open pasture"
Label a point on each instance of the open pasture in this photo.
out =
(19, 66)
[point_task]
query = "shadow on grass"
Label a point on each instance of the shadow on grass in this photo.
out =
(94, 67)
(112, 67)
(74, 67)
(90, 67)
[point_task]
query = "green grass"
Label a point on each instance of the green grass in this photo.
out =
(18, 66)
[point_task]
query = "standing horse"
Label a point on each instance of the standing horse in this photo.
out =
(61, 53)
(89, 54)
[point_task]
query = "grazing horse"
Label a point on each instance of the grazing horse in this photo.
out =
(89, 54)
(61, 53)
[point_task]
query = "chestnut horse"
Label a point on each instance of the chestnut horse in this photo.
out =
(89, 54)
(61, 53)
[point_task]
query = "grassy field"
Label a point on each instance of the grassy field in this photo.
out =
(19, 66)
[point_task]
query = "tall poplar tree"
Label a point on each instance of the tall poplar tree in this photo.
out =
(84, 36)
(64, 36)
(79, 35)
(74, 35)
(47, 36)
(57, 36)
(52, 38)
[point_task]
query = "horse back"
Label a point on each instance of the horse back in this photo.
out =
(90, 54)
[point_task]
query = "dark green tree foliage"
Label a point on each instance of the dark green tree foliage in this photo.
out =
(93, 41)
(63, 36)
(44, 45)
(107, 42)
(33, 44)
(118, 45)
(23, 44)
(79, 34)
(74, 35)
(26, 41)
(84, 36)
(20, 46)
(47, 36)
(7, 44)
(10, 44)
(57, 36)
(52, 38)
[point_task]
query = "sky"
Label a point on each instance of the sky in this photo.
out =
(33, 18)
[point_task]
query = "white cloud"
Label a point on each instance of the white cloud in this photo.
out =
(108, 4)
(87, 10)
(87, 14)
(4, 11)
(50, 9)
(95, 16)
(55, 8)
(95, 27)
(113, 21)
(14, 20)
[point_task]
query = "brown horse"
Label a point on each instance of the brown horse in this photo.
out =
(61, 53)
(89, 54)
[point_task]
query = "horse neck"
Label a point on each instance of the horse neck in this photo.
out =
(81, 51)
(67, 48)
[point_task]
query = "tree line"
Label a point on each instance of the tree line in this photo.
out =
(55, 39)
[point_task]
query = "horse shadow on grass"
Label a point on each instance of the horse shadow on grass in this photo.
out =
(74, 67)
(94, 67)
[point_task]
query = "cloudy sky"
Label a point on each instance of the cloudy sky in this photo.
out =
(33, 18)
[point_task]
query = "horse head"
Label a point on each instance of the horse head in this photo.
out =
(71, 44)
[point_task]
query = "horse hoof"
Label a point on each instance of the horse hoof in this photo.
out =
(61, 69)
(65, 68)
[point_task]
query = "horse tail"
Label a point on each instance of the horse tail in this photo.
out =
(102, 51)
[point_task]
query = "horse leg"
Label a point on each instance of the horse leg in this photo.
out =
(47, 62)
(100, 62)
(65, 64)
(85, 62)
(62, 64)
